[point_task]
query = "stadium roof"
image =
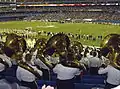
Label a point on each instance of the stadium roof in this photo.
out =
(62, 1)
(66, 0)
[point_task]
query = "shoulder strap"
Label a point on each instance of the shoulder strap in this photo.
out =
(29, 68)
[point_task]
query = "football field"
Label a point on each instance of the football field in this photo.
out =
(74, 28)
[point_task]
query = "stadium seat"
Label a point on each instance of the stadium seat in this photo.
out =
(84, 86)
(40, 83)
(101, 85)
(92, 81)
(93, 77)
(51, 83)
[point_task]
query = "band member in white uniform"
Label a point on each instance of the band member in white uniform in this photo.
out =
(110, 49)
(37, 60)
(66, 74)
(45, 63)
(27, 78)
(4, 63)
(113, 76)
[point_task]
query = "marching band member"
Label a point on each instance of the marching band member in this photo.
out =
(66, 74)
(41, 59)
(118, 87)
(44, 68)
(110, 48)
(113, 76)
(45, 63)
(26, 77)
(94, 63)
(4, 64)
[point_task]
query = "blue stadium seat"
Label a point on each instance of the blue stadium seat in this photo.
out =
(40, 83)
(84, 86)
(51, 83)
(92, 81)
(100, 85)
(93, 77)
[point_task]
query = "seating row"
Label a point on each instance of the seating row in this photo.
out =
(77, 85)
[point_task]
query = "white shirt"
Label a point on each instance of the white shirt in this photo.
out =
(94, 62)
(85, 61)
(2, 67)
(24, 75)
(40, 64)
(113, 75)
(34, 55)
(7, 60)
(118, 87)
(64, 73)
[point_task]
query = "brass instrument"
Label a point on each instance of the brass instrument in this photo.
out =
(29, 68)
(72, 60)
(40, 45)
(77, 48)
(14, 48)
(110, 48)
(1, 47)
(60, 44)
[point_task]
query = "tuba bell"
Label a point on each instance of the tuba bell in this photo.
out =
(57, 44)
(14, 48)
(110, 48)
(60, 44)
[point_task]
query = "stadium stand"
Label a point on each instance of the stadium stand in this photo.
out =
(55, 13)
(98, 12)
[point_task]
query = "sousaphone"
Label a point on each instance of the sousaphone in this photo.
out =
(14, 48)
(77, 48)
(110, 48)
(40, 45)
(60, 44)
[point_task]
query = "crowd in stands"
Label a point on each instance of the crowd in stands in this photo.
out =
(65, 12)
(95, 65)
(96, 73)
(66, 1)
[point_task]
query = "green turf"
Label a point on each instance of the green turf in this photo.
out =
(79, 28)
